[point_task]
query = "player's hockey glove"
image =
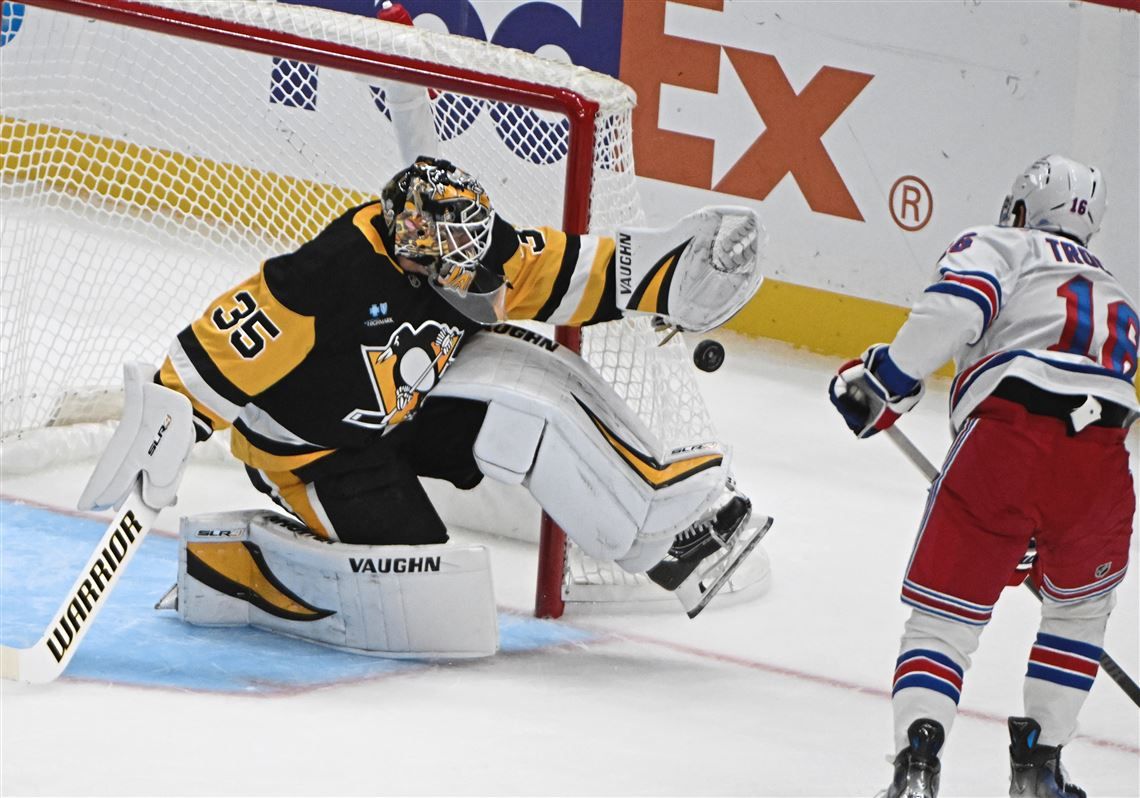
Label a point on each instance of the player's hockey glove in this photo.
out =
(872, 392)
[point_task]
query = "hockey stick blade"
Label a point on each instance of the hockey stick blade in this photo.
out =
(48, 657)
(1107, 663)
(708, 593)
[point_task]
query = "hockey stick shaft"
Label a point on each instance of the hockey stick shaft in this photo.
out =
(912, 453)
(920, 461)
(48, 657)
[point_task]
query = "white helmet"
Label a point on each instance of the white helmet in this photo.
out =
(1057, 194)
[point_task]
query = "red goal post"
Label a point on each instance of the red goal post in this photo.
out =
(144, 137)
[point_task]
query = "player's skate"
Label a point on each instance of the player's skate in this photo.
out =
(917, 767)
(704, 556)
(1035, 770)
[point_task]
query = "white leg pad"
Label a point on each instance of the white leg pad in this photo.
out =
(556, 427)
(263, 569)
(507, 442)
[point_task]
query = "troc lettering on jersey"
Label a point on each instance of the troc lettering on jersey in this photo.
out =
(625, 264)
(91, 589)
(1068, 252)
(393, 565)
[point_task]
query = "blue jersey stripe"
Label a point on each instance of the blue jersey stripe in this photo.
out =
(1005, 357)
(972, 294)
(989, 278)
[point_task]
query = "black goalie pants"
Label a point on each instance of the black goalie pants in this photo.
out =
(373, 495)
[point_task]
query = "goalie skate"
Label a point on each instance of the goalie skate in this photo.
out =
(703, 558)
(698, 590)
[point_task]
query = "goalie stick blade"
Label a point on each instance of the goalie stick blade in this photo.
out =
(48, 657)
(10, 663)
(33, 665)
(703, 593)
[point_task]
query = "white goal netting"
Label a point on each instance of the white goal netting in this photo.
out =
(150, 160)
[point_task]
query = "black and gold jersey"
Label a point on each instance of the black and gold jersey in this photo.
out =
(329, 346)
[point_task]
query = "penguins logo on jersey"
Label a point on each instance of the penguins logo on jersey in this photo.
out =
(404, 370)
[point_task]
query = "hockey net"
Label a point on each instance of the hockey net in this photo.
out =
(154, 153)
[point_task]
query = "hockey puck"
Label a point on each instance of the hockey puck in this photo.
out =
(708, 355)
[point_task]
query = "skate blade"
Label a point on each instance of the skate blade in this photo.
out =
(169, 600)
(694, 594)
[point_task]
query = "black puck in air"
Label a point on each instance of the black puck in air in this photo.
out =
(708, 355)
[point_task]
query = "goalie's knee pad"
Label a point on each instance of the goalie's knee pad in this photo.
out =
(556, 427)
(262, 569)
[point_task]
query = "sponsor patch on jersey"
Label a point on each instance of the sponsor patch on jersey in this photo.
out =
(378, 315)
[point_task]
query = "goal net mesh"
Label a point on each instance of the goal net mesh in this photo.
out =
(147, 166)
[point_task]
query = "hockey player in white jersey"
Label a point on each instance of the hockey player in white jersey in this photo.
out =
(1044, 339)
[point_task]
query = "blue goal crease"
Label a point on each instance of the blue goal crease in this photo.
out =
(41, 552)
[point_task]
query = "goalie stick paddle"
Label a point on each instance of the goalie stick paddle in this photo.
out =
(919, 460)
(45, 660)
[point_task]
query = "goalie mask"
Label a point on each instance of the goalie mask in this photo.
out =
(1059, 195)
(440, 217)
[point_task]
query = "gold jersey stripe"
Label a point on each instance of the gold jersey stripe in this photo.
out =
(280, 353)
(363, 221)
(168, 375)
(648, 468)
(595, 284)
(532, 275)
(295, 494)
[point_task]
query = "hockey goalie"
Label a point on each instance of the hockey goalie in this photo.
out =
(378, 352)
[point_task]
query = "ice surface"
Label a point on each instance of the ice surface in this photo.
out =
(786, 695)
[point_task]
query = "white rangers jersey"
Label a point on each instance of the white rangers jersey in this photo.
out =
(1012, 302)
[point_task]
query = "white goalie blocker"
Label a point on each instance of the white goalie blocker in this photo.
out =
(263, 569)
(556, 427)
(696, 274)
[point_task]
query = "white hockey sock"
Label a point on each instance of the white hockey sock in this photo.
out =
(1063, 664)
(933, 658)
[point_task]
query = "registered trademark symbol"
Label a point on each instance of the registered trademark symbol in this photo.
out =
(911, 202)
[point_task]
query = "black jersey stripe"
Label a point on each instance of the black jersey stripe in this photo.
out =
(203, 427)
(562, 281)
(209, 371)
(607, 309)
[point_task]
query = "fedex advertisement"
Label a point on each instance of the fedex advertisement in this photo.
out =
(867, 135)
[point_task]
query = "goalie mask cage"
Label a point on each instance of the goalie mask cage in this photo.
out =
(153, 154)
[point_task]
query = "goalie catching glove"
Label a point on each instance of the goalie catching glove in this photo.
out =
(872, 392)
(696, 274)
